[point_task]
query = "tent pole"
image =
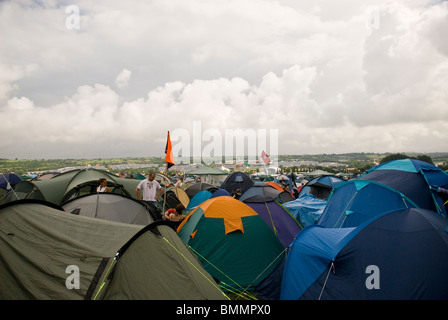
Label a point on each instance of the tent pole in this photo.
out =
(97, 200)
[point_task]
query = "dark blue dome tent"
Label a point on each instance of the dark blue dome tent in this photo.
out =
(393, 256)
(237, 181)
(416, 179)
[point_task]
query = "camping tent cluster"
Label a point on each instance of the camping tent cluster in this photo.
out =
(118, 247)
(383, 236)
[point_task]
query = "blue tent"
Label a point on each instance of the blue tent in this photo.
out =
(320, 187)
(220, 193)
(397, 255)
(413, 178)
(307, 209)
(197, 199)
(355, 201)
(8, 180)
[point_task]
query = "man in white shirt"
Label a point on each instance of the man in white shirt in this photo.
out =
(151, 189)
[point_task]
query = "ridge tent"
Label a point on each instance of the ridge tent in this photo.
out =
(413, 178)
(157, 265)
(396, 255)
(262, 198)
(355, 201)
(237, 180)
(232, 242)
(111, 206)
(320, 187)
(41, 247)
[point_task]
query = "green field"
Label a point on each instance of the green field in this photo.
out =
(361, 161)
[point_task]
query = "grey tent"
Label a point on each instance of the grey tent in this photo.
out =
(110, 206)
(45, 253)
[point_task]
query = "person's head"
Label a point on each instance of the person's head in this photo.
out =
(102, 182)
(151, 176)
(180, 208)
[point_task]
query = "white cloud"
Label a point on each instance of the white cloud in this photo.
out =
(122, 80)
(312, 69)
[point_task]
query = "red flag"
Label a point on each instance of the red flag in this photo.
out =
(169, 158)
(265, 157)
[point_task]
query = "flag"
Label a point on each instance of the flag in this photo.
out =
(169, 158)
(265, 157)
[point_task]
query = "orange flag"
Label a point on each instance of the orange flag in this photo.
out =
(169, 158)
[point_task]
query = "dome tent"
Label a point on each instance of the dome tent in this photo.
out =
(320, 187)
(263, 199)
(408, 248)
(355, 201)
(232, 242)
(235, 181)
(416, 179)
(111, 206)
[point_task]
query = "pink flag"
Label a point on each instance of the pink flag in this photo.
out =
(265, 157)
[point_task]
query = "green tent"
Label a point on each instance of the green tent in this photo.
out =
(45, 253)
(233, 243)
(71, 184)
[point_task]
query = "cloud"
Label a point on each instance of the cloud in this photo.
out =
(122, 80)
(312, 70)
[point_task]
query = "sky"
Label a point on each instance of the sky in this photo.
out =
(109, 78)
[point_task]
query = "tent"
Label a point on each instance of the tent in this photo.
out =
(262, 198)
(198, 198)
(355, 201)
(111, 206)
(46, 253)
(209, 175)
(194, 188)
(237, 180)
(220, 193)
(174, 196)
(398, 255)
(413, 178)
(320, 187)
(306, 209)
(232, 242)
(71, 184)
(318, 173)
(8, 180)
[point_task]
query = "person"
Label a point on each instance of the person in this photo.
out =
(102, 185)
(179, 182)
(151, 189)
(175, 214)
(237, 194)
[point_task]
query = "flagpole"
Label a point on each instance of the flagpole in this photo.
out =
(164, 193)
